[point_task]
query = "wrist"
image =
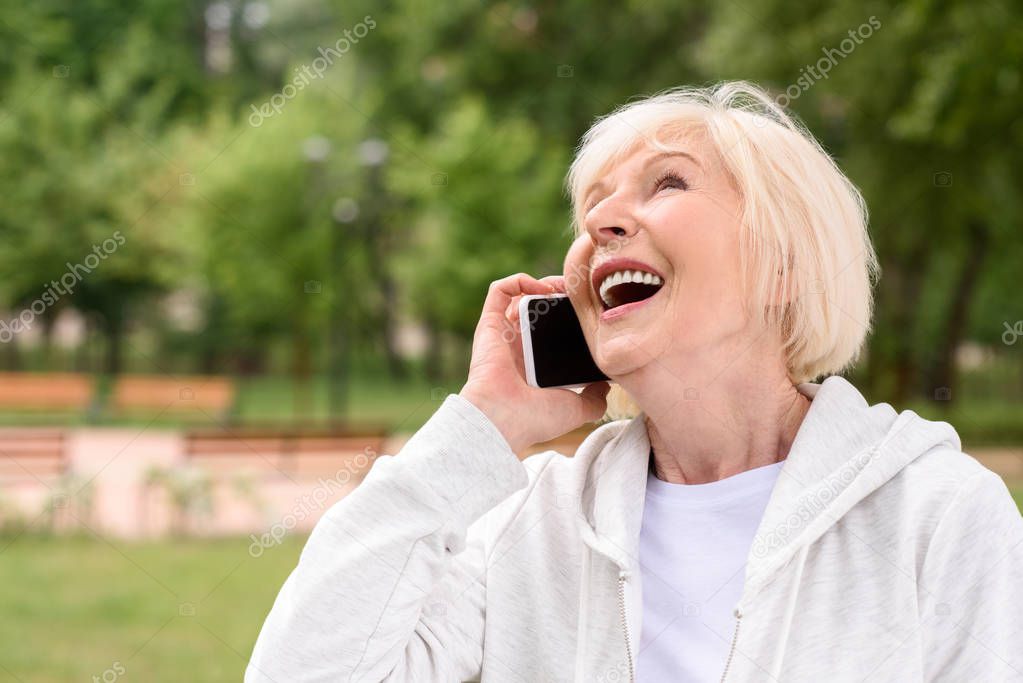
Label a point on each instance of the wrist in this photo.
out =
(498, 416)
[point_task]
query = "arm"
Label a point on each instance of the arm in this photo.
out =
(390, 585)
(971, 587)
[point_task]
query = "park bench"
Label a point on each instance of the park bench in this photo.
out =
(30, 455)
(290, 452)
(52, 392)
(209, 395)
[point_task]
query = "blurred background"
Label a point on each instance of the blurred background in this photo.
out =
(243, 247)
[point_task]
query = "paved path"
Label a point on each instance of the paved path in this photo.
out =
(115, 463)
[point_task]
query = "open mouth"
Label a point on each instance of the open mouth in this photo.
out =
(628, 287)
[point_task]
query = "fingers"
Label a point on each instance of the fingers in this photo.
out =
(509, 291)
(556, 281)
(502, 291)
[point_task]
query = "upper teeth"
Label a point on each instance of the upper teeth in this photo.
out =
(625, 276)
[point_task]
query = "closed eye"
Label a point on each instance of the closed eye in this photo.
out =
(671, 179)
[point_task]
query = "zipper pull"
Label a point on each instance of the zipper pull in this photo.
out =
(737, 613)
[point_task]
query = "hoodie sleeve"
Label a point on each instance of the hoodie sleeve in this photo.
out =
(971, 587)
(390, 585)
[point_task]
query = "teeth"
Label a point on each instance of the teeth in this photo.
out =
(623, 276)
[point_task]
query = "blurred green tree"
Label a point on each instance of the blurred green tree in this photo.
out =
(920, 104)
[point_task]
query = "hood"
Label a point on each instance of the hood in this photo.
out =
(844, 450)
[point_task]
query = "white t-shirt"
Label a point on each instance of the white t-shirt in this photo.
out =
(692, 553)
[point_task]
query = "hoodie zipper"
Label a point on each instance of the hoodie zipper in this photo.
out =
(731, 649)
(622, 577)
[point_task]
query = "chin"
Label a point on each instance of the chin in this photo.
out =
(624, 353)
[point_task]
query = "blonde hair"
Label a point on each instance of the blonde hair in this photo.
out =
(801, 216)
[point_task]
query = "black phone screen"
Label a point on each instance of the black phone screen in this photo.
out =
(560, 354)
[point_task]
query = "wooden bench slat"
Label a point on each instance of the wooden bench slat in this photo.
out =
(173, 393)
(45, 391)
(288, 452)
(28, 455)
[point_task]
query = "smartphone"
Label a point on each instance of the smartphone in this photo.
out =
(553, 346)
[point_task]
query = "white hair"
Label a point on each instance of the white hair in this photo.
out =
(801, 216)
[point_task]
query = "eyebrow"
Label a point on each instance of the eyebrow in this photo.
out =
(601, 185)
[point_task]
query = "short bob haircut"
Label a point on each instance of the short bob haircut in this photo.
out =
(800, 215)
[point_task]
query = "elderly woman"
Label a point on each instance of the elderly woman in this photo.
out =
(744, 525)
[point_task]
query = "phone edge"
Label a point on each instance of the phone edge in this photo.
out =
(527, 339)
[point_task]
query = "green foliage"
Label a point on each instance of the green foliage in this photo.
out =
(113, 117)
(486, 202)
(922, 113)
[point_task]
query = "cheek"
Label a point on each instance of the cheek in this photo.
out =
(576, 267)
(702, 249)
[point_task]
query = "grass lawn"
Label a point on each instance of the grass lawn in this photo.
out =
(74, 608)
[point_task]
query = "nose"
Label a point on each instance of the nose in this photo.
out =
(612, 219)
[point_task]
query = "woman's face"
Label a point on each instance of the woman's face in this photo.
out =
(675, 216)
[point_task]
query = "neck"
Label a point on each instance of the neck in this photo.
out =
(705, 427)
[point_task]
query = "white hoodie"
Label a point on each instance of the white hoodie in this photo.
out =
(885, 554)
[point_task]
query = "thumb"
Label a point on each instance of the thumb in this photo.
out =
(593, 400)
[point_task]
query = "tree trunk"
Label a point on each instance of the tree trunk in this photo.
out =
(434, 360)
(906, 365)
(385, 284)
(942, 373)
(12, 359)
(113, 328)
(46, 331)
(301, 371)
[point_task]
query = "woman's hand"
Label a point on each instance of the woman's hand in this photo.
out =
(497, 386)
